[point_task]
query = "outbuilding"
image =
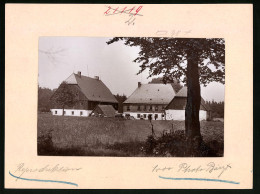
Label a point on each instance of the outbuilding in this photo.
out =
(175, 110)
(104, 111)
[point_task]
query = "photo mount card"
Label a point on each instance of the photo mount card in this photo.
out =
(90, 119)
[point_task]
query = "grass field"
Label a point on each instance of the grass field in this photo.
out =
(92, 136)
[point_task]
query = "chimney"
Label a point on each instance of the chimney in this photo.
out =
(96, 77)
(79, 73)
(139, 84)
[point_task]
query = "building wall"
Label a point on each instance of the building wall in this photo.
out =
(134, 108)
(180, 114)
(69, 112)
(144, 115)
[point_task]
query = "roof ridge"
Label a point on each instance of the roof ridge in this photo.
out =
(159, 93)
(94, 89)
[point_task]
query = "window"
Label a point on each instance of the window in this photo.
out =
(138, 115)
(155, 116)
(162, 115)
(156, 108)
(64, 112)
(144, 115)
(144, 107)
(55, 112)
(81, 113)
(138, 108)
(72, 112)
(128, 108)
(151, 107)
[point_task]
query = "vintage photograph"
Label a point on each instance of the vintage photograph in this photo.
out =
(131, 96)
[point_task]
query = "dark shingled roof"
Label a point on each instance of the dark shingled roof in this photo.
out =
(105, 110)
(182, 103)
(93, 89)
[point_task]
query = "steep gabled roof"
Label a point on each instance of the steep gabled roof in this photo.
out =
(182, 92)
(93, 89)
(182, 103)
(106, 110)
(152, 94)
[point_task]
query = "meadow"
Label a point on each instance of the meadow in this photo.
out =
(91, 136)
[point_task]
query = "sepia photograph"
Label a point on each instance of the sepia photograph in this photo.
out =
(131, 96)
(104, 93)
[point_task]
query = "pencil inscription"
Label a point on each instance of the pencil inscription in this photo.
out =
(210, 168)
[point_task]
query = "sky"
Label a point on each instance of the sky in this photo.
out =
(59, 57)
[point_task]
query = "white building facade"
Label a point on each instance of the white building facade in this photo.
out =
(159, 102)
(71, 112)
(179, 115)
(148, 101)
(175, 110)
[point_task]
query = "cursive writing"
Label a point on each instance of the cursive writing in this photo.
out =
(22, 169)
(210, 168)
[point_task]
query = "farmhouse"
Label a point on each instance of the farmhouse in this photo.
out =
(175, 110)
(160, 102)
(149, 100)
(90, 92)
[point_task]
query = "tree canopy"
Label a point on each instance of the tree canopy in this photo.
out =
(175, 84)
(44, 95)
(64, 96)
(168, 56)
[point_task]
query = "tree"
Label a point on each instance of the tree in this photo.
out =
(120, 99)
(175, 84)
(65, 96)
(44, 95)
(187, 60)
(217, 108)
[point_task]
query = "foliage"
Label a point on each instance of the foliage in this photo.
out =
(65, 96)
(217, 108)
(46, 147)
(175, 84)
(44, 143)
(120, 99)
(44, 103)
(174, 144)
(168, 56)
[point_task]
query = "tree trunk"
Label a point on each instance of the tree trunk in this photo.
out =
(192, 123)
